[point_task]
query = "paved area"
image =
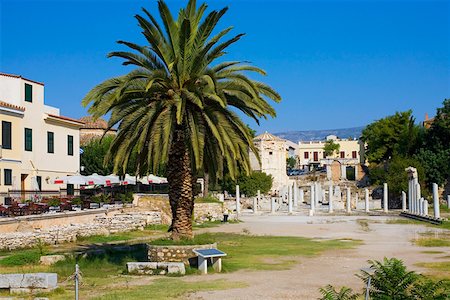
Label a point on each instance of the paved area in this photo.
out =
(304, 279)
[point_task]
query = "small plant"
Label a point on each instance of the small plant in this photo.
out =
(76, 201)
(329, 293)
(54, 202)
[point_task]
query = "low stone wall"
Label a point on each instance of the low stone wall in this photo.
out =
(100, 225)
(208, 212)
(176, 253)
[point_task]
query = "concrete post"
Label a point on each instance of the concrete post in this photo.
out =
(385, 197)
(330, 198)
(255, 205)
(302, 196)
(349, 200)
(366, 199)
(425, 208)
(403, 201)
(238, 200)
(272, 206)
(295, 194)
(437, 213)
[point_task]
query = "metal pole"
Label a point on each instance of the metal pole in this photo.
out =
(368, 287)
(77, 270)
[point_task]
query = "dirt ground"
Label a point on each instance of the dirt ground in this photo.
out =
(304, 279)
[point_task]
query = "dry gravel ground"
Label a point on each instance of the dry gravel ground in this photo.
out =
(304, 279)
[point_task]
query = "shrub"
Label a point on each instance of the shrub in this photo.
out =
(54, 202)
(330, 293)
(22, 258)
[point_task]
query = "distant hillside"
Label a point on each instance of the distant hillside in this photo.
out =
(318, 135)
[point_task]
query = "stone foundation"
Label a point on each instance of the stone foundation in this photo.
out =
(101, 225)
(183, 254)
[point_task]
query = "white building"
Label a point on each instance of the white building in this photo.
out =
(37, 143)
(272, 153)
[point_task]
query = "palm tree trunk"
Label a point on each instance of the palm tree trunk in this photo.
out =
(206, 184)
(180, 178)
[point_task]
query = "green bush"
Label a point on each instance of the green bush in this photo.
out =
(22, 258)
(249, 185)
(330, 293)
(54, 202)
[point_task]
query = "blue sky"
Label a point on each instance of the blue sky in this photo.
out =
(336, 63)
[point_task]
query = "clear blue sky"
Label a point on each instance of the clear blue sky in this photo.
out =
(336, 63)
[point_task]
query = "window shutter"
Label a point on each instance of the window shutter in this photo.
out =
(28, 92)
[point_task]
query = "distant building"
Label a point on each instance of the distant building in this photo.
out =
(37, 143)
(272, 153)
(428, 122)
(311, 155)
(94, 129)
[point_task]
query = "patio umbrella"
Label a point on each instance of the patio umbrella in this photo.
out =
(129, 179)
(35, 188)
(96, 179)
(112, 179)
(153, 179)
(74, 179)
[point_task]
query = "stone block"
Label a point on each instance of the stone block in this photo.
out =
(176, 268)
(142, 267)
(48, 260)
(10, 281)
(29, 281)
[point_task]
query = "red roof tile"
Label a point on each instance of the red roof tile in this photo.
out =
(66, 119)
(12, 106)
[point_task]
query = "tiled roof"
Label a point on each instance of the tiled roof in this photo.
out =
(66, 119)
(267, 137)
(12, 106)
(18, 76)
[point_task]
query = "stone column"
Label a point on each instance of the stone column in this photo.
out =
(290, 200)
(328, 167)
(403, 201)
(272, 206)
(385, 197)
(313, 199)
(295, 194)
(366, 199)
(349, 200)
(409, 194)
(421, 204)
(330, 198)
(255, 205)
(356, 172)
(238, 200)
(448, 201)
(425, 208)
(343, 172)
(356, 200)
(302, 196)
(418, 196)
(259, 196)
(437, 213)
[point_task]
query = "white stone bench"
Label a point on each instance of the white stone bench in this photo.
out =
(216, 259)
(155, 268)
(28, 281)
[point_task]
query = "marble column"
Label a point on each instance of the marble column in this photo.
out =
(356, 200)
(403, 201)
(301, 196)
(259, 196)
(343, 172)
(425, 208)
(409, 195)
(366, 199)
(418, 196)
(385, 197)
(349, 200)
(295, 194)
(290, 200)
(421, 204)
(272, 206)
(330, 198)
(255, 205)
(238, 200)
(313, 198)
(448, 201)
(437, 213)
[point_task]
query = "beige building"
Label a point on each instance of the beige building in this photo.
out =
(272, 153)
(37, 143)
(93, 129)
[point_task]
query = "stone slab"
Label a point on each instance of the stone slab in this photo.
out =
(48, 260)
(150, 268)
(29, 281)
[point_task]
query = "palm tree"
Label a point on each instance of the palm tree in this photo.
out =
(178, 106)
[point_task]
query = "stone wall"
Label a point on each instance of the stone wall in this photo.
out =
(208, 212)
(100, 225)
(175, 253)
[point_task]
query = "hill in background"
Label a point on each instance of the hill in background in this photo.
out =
(320, 135)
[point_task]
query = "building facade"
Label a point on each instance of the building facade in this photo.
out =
(272, 153)
(37, 143)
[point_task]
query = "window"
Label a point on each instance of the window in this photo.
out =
(28, 139)
(50, 142)
(342, 154)
(28, 92)
(316, 156)
(354, 154)
(70, 145)
(6, 135)
(270, 153)
(324, 155)
(306, 155)
(39, 182)
(7, 176)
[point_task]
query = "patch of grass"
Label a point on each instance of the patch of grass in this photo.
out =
(433, 252)
(200, 239)
(432, 242)
(437, 270)
(101, 239)
(21, 258)
(208, 224)
(170, 288)
(208, 199)
(444, 225)
(157, 227)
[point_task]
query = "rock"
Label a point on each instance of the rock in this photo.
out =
(141, 267)
(29, 281)
(48, 260)
(176, 268)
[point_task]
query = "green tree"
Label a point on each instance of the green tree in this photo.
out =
(330, 148)
(93, 157)
(291, 162)
(390, 136)
(248, 184)
(178, 105)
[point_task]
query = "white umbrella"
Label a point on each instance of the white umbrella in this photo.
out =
(129, 179)
(96, 179)
(153, 179)
(35, 187)
(112, 179)
(74, 179)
